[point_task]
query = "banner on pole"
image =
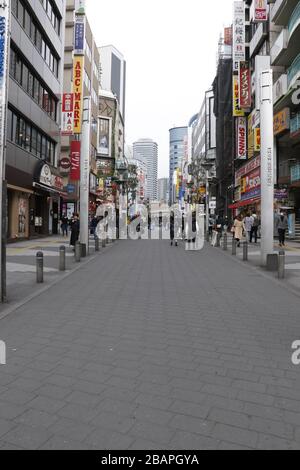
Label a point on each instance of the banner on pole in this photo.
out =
(75, 160)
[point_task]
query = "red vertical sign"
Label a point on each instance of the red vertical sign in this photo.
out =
(245, 86)
(75, 161)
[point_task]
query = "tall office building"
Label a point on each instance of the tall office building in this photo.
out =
(33, 117)
(163, 190)
(113, 74)
(146, 150)
(178, 138)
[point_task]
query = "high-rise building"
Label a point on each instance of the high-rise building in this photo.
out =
(113, 74)
(163, 190)
(178, 137)
(146, 150)
(33, 118)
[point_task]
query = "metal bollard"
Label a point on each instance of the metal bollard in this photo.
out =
(103, 242)
(225, 242)
(281, 265)
(97, 248)
(77, 252)
(39, 267)
(234, 245)
(245, 251)
(62, 258)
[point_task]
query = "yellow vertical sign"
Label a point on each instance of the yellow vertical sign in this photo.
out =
(237, 112)
(78, 64)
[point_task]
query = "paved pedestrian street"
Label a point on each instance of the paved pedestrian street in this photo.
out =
(152, 347)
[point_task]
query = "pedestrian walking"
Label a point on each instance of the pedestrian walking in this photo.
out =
(238, 229)
(75, 230)
(94, 224)
(248, 222)
(172, 229)
(64, 225)
(282, 226)
(254, 229)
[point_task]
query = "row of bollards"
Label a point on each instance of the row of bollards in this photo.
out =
(280, 257)
(79, 252)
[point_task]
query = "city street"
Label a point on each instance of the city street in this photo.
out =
(152, 347)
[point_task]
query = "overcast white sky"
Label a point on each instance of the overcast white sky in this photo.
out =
(170, 47)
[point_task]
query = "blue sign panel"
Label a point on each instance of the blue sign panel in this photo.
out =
(2, 48)
(79, 34)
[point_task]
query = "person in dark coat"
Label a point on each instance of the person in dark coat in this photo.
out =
(75, 230)
(172, 229)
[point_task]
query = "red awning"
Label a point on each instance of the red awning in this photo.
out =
(248, 202)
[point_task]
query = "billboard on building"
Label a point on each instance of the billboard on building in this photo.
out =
(104, 136)
(245, 85)
(241, 138)
(237, 111)
(79, 34)
(67, 114)
(259, 11)
(78, 70)
(239, 35)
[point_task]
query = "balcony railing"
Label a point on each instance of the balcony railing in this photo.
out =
(294, 71)
(294, 20)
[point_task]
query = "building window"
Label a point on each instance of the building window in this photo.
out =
(37, 37)
(30, 138)
(28, 80)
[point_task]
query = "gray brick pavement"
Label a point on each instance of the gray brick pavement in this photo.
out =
(149, 347)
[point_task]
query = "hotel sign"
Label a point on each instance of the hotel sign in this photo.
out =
(239, 35)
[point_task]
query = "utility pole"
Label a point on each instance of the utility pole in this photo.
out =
(267, 165)
(4, 63)
(85, 173)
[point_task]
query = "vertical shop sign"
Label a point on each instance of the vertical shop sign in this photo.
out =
(239, 48)
(75, 161)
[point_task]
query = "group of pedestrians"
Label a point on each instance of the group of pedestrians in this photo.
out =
(247, 226)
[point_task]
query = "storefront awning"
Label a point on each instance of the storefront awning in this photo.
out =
(54, 191)
(248, 202)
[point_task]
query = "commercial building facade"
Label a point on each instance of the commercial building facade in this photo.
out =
(80, 67)
(35, 86)
(113, 74)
